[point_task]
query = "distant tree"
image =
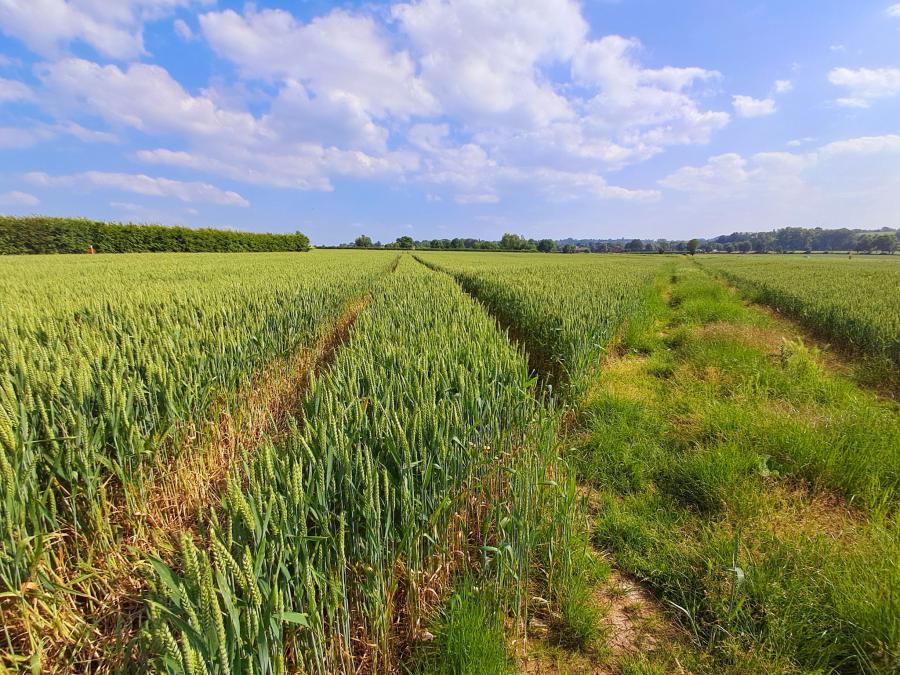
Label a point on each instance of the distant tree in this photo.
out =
(404, 242)
(546, 246)
(512, 242)
(887, 242)
(363, 241)
(693, 245)
(864, 243)
(744, 246)
(457, 243)
(634, 245)
(569, 248)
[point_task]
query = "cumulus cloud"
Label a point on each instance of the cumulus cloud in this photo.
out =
(482, 58)
(143, 97)
(855, 180)
(336, 53)
(644, 108)
(783, 86)
(186, 191)
(727, 175)
(16, 198)
(865, 85)
(475, 95)
(894, 11)
(747, 106)
(483, 65)
(113, 29)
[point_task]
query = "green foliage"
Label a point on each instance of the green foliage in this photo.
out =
(40, 234)
(469, 636)
(513, 242)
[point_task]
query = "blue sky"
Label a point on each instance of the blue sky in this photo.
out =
(443, 118)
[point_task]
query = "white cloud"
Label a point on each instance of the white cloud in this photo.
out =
(114, 29)
(727, 170)
(182, 30)
(16, 198)
(339, 53)
(727, 176)
(797, 142)
(186, 191)
(482, 58)
(783, 86)
(864, 145)
(25, 137)
(567, 185)
(83, 134)
(472, 94)
(747, 106)
(894, 11)
(850, 181)
(300, 166)
(478, 198)
(865, 85)
(13, 90)
(144, 97)
(646, 109)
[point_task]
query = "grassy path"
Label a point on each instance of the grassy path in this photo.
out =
(752, 489)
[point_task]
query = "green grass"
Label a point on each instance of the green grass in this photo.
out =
(469, 636)
(853, 302)
(723, 448)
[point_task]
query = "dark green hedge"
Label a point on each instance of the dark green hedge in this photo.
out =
(36, 234)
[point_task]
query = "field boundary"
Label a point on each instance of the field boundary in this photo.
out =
(873, 371)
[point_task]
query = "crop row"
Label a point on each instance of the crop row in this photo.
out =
(565, 310)
(854, 301)
(106, 364)
(422, 448)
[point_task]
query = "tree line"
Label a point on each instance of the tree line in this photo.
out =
(38, 234)
(788, 239)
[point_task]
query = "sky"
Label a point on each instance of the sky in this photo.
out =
(454, 118)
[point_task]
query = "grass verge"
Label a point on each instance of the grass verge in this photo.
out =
(751, 488)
